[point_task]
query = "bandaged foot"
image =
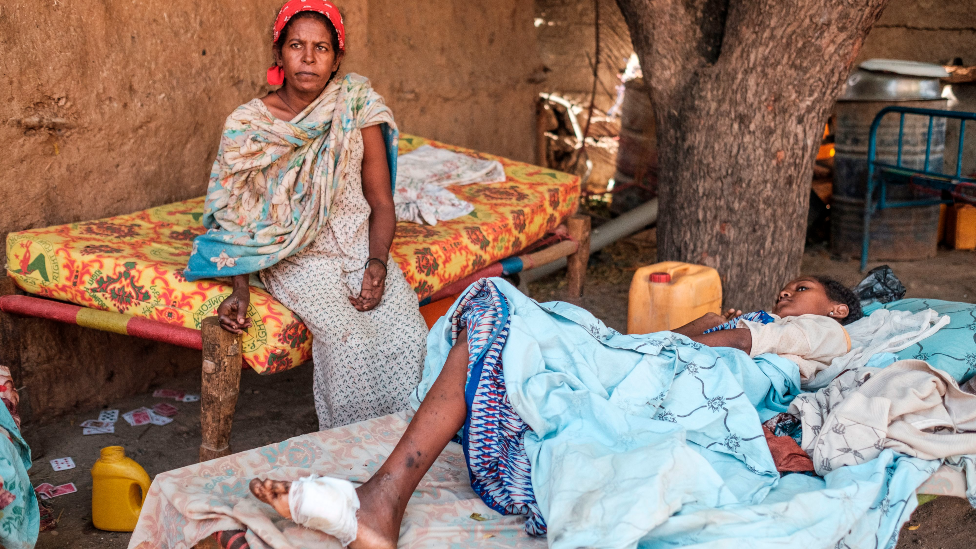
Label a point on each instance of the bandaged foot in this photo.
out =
(326, 504)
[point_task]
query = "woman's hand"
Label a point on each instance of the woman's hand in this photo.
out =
(232, 312)
(374, 284)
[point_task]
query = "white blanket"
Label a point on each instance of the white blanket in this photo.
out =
(882, 331)
(422, 176)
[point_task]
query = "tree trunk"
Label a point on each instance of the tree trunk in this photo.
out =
(741, 91)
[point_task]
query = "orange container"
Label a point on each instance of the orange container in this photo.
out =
(668, 295)
(961, 227)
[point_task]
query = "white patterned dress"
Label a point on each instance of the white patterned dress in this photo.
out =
(366, 363)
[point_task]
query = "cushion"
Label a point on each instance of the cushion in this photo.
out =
(953, 348)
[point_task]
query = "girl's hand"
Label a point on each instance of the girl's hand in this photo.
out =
(232, 312)
(732, 313)
(374, 284)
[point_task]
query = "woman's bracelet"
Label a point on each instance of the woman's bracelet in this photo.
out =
(383, 263)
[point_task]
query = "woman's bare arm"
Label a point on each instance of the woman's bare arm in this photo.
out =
(382, 218)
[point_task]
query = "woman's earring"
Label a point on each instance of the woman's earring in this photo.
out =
(831, 313)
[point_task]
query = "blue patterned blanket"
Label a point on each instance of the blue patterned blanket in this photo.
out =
(656, 441)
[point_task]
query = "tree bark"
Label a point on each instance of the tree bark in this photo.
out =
(741, 92)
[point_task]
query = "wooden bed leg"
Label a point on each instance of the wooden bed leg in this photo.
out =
(220, 387)
(10, 336)
(579, 231)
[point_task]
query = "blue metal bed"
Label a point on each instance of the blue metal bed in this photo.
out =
(944, 188)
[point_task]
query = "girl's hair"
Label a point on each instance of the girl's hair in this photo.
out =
(318, 17)
(838, 293)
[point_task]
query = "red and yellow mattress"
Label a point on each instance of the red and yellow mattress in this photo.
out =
(133, 264)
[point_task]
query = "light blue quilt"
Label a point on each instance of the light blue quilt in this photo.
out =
(656, 441)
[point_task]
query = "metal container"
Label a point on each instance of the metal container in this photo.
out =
(866, 94)
(865, 85)
(852, 130)
(637, 153)
(897, 234)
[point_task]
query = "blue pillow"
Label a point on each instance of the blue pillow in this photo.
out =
(953, 348)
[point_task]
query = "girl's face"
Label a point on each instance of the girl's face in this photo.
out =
(307, 56)
(806, 296)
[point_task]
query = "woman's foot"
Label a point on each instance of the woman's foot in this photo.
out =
(274, 493)
(377, 521)
(379, 516)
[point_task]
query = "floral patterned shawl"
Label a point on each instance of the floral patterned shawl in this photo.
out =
(274, 181)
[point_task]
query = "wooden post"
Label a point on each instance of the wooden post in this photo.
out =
(10, 334)
(220, 387)
(541, 124)
(579, 230)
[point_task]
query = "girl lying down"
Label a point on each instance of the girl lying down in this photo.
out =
(544, 395)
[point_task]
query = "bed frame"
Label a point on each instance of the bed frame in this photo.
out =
(221, 350)
(934, 186)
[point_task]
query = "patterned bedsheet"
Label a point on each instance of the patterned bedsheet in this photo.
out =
(186, 505)
(132, 264)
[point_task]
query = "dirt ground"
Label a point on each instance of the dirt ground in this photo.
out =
(280, 406)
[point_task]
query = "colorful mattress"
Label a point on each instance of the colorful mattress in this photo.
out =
(133, 264)
(186, 505)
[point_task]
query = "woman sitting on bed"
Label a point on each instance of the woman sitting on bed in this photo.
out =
(469, 388)
(301, 194)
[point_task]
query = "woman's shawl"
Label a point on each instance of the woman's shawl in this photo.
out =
(274, 182)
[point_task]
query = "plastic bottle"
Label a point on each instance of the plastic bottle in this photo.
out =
(119, 487)
(671, 294)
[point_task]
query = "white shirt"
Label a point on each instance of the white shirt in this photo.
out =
(811, 341)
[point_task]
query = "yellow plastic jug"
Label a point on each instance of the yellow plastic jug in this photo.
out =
(671, 294)
(119, 487)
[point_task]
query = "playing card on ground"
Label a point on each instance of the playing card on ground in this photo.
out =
(99, 430)
(96, 423)
(109, 415)
(139, 416)
(157, 419)
(165, 409)
(62, 464)
(62, 490)
(169, 393)
(42, 488)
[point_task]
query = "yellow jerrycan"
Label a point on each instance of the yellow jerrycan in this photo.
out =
(668, 295)
(119, 487)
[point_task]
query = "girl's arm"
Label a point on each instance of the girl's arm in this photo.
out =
(706, 322)
(232, 312)
(737, 338)
(382, 218)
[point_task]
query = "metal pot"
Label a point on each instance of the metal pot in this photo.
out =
(865, 85)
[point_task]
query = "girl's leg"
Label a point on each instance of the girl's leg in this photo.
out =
(383, 498)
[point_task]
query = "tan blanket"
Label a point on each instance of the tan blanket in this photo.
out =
(909, 407)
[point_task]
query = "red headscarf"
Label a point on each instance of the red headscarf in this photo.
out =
(276, 76)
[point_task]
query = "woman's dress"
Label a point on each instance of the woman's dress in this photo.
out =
(366, 363)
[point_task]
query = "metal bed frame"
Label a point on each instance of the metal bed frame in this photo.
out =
(945, 188)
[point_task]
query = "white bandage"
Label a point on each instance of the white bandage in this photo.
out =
(325, 504)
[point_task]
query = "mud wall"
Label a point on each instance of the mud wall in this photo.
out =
(111, 106)
(567, 42)
(933, 31)
(459, 71)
